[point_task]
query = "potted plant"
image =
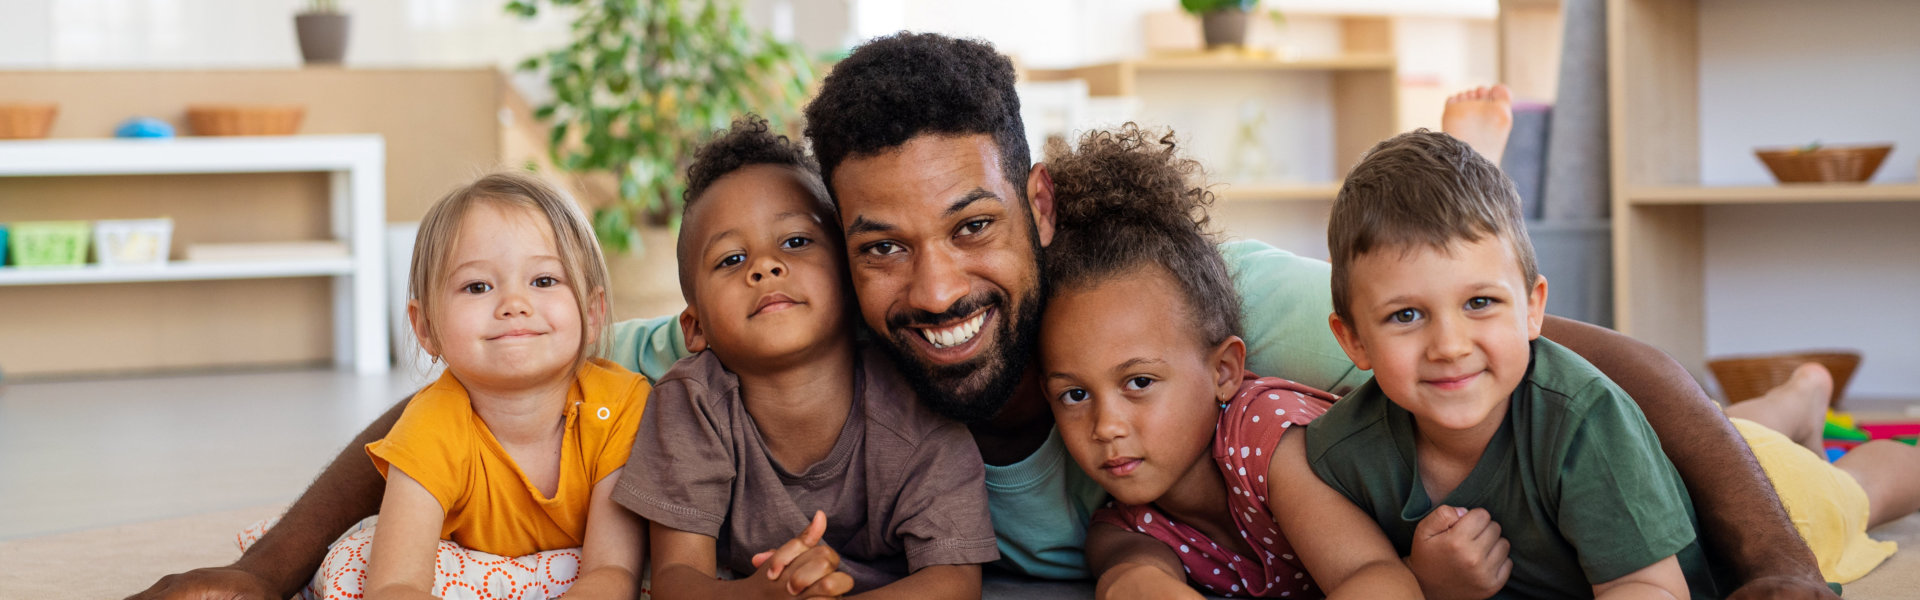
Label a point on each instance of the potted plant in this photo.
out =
(643, 82)
(323, 32)
(1222, 22)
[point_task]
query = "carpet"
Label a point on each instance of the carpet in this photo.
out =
(112, 562)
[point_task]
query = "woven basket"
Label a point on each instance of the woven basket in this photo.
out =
(1748, 377)
(233, 119)
(1824, 164)
(26, 121)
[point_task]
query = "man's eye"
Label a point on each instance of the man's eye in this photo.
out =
(796, 242)
(478, 287)
(882, 248)
(732, 259)
(1139, 383)
(1479, 303)
(1405, 315)
(974, 226)
(545, 281)
(1073, 396)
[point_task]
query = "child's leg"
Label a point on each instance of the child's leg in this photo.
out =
(1796, 409)
(1890, 473)
(1481, 117)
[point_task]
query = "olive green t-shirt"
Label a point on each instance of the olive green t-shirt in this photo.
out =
(1574, 476)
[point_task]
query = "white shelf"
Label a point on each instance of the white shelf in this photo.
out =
(356, 165)
(175, 271)
(262, 154)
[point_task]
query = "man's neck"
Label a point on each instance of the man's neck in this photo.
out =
(1019, 429)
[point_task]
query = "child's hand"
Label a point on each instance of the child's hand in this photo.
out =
(1458, 553)
(803, 566)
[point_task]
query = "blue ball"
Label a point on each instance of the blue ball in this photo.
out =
(144, 127)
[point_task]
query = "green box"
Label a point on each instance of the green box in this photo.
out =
(50, 243)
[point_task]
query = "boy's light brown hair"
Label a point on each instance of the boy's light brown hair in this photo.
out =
(580, 256)
(1416, 189)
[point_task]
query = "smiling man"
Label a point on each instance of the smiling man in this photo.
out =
(921, 145)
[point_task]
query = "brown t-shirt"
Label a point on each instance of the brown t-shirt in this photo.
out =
(903, 487)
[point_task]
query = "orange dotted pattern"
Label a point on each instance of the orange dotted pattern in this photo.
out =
(458, 572)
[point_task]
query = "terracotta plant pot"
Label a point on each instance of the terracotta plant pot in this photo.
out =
(323, 37)
(1224, 28)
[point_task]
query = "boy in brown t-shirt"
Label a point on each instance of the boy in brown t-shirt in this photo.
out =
(781, 416)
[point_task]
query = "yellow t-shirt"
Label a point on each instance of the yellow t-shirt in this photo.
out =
(490, 504)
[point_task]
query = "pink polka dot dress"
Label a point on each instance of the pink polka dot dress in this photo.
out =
(1250, 426)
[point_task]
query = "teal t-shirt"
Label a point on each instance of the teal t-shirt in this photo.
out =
(1574, 476)
(1041, 505)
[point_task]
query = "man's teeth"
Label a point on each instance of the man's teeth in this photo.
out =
(957, 334)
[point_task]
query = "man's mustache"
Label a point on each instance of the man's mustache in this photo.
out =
(965, 306)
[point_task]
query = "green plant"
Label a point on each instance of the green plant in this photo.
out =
(644, 81)
(323, 7)
(1201, 7)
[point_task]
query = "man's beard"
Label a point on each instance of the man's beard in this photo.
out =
(972, 391)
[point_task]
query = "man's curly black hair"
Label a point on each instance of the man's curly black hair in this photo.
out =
(900, 86)
(750, 141)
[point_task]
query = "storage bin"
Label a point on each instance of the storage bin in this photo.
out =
(50, 243)
(132, 242)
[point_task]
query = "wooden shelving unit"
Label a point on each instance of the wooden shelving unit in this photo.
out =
(1363, 84)
(1660, 208)
(356, 167)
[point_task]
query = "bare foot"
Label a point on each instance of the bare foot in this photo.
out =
(1482, 117)
(1797, 408)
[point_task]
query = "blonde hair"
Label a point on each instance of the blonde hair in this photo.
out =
(580, 257)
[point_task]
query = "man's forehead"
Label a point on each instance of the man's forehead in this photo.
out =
(935, 168)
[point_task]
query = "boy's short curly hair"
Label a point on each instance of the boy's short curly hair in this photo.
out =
(750, 141)
(1422, 189)
(897, 87)
(1126, 199)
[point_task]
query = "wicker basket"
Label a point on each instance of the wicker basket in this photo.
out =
(233, 119)
(1824, 164)
(1748, 377)
(26, 121)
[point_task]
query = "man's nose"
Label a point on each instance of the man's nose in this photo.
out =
(938, 282)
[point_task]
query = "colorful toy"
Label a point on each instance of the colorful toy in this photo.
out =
(144, 127)
(1843, 434)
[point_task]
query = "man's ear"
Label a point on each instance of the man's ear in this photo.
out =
(1040, 202)
(1229, 362)
(1349, 341)
(690, 331)
(422, 330)
(1536, 307)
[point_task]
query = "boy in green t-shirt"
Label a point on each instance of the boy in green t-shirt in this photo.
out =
(1435, 290)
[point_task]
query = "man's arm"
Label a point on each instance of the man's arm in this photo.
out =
(1741, 519)
(284, 559)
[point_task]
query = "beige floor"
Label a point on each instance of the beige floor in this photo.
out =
(105, 485)
(85, 454)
